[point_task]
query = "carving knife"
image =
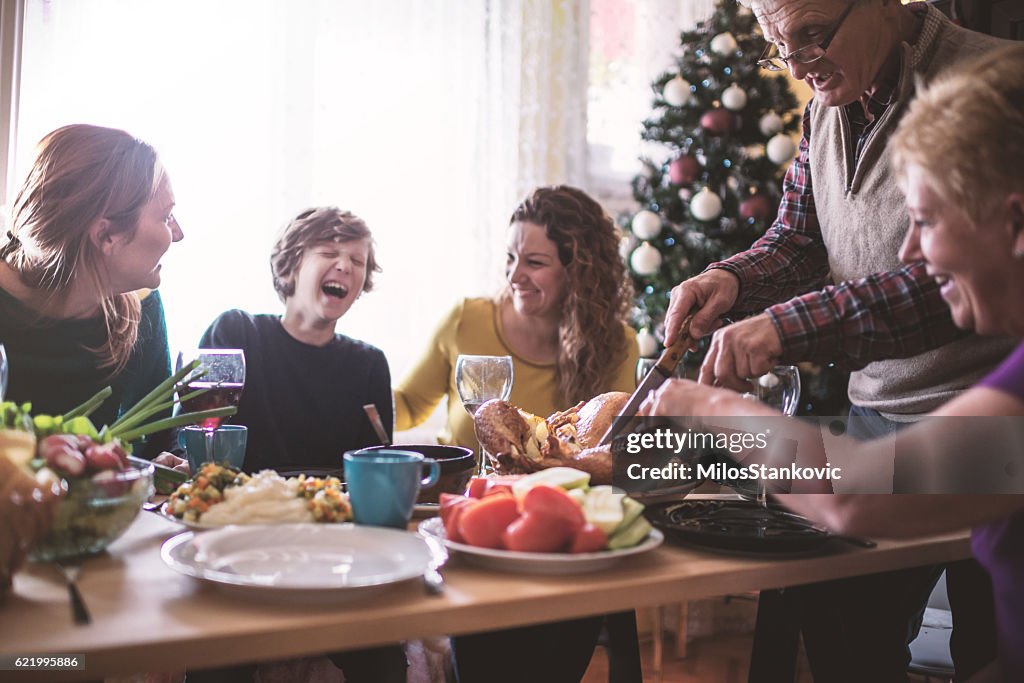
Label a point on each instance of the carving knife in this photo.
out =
(656, 376)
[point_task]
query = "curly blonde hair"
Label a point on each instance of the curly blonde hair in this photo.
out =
(967, 130)
(591, 333)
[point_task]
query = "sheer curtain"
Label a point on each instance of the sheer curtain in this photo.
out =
(428, 118)
(631, 43)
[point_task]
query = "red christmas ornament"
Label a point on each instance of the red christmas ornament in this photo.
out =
(755, 206)
(718, 121)
(684, 170)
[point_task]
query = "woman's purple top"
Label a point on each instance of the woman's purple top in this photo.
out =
(999, 546)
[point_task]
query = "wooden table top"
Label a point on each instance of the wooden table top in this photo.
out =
(147, 617)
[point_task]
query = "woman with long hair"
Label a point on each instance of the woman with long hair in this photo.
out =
(561, 316)
(77, 263)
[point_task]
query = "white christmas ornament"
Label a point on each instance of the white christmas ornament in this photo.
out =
(734, 97)
(705, 205)
(724, 44)
(646, 225)
(781, 149)
(677, 91)
(768, 381)
(770, 124)
(647, 343)
(685, 193)
(646, 260)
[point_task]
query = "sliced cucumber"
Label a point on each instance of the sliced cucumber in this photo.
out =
(629, 536)
(565, 477)
(603, 508)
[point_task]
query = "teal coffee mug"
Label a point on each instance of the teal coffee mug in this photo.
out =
(383, 484)
(228, 446)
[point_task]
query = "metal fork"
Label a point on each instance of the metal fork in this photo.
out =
(79, 613)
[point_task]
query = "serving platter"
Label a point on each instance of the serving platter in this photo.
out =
(305, 563)
(538, 563)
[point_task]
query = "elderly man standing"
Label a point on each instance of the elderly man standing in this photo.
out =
(841, 220)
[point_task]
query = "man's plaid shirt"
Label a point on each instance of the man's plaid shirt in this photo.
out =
(885, 315)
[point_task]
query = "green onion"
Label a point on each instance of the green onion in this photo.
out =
(158, 395)
(86, 409)
(176, 421)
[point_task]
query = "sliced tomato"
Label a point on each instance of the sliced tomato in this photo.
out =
(537, 532)
(452, 507)
(477, 486)
(448, 502)
(588, 539)
(552, 501)
(481, 524)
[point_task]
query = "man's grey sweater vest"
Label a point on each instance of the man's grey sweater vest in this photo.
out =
(864, 220)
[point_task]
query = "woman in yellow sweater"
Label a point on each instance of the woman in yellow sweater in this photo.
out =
(561, 316)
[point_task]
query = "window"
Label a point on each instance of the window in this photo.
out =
(262, 108)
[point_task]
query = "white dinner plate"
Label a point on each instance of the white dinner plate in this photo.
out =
(538, 563)
(192, 526)
(302, 562)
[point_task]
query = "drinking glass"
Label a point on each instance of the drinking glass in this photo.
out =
(221, 373)
(3, 372)
(779, 388)
(479, 379)
(643, 366)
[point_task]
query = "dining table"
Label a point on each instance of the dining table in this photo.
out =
(147, 617)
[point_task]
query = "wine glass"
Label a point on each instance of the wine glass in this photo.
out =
(479, 379)
(643, 366)
(3, 372)
(780, 389)
(223, 379)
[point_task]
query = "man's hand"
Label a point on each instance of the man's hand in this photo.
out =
(740, 352)
(708, 296)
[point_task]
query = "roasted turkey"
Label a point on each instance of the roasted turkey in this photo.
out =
(518, 442)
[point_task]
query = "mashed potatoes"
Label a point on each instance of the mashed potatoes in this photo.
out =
(266, 498)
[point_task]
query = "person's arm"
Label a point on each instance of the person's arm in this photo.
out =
(944, 443)
(790, 258)
(886, 315)
(427, 383)
(953, 450)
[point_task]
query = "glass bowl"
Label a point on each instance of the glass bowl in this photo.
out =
(94, 513)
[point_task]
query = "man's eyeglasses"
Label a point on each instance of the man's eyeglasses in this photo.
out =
(773, 60)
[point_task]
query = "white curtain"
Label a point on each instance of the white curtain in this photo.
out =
(428, 118)
(631, 43)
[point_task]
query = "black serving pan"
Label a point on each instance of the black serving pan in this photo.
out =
(737, 526)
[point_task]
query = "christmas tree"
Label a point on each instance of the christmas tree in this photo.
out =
(724, 128)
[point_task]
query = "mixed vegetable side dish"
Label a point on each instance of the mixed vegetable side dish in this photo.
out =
(219, 495)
